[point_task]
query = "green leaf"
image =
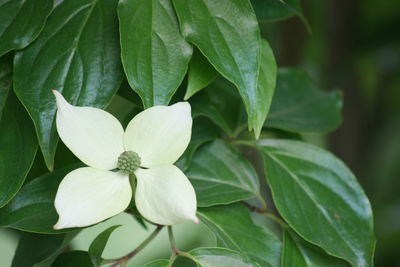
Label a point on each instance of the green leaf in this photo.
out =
(273, 10)
(98, 245)
(157, 263)
(203, 131)
(32, 209)
(75, 258)
(221, 257)
(5, 80)
(298, 253)
(234, 229)
(154, 54)
(40, 250)
(21, 21)
(18, 149)
(200, 74)
(320, 199)
(220, 103)
(227, 33)
(220, 175)
(299, 106)
(76, 53)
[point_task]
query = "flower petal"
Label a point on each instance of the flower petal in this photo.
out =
(160, 134)
(165, 196)
(87, 196)
(93, 135)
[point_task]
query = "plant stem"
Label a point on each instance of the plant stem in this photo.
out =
(127, 257)
(267, 213)
(172, 241)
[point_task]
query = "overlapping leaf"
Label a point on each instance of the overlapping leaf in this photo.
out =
(21, 22)
(5, 80)
(320, 199)
(273, 10)
(227, 33)
(221, 257)
(234, 229)
(76, 53)
(98, 245)
(154, 54)
(220, 175)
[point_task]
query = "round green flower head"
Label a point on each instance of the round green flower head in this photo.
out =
(128, 162)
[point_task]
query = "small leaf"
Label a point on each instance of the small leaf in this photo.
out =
(234, 229)
(75, 258)
(227, 33)
(18, 149)
(40, 250)
(76, 53)
(32, 209)
(298, 253)
(203, 131)
(274, 10)
(320, 199)
(154, 54)
(221, 257)
(21, 21)
(157, 263)
(299, 106)
(220, 103)
(98, 245)
(220, 175)
(200, 74)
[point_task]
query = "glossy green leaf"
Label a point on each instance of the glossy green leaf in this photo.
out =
(5, 80)
(32, 209)
(220, 103)
(203, 131)
(273, 10)
(299, 106)
(99, 244)
(21, 21)
(200, 74)
(18, 147)
(157, 263)
(221, 257)
(320, 199)
(298, 253)
(227, 33)
(154, 53)
(234, 229)
(75, 258)
(76, 53)
(40, 250)
(221, 175)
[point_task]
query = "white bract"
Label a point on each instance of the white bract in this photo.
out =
(159, 136)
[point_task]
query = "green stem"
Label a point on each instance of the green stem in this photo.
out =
(278, 220)
(172, 241)
(127, 257)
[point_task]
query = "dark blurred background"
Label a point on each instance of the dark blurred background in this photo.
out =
(355, 46)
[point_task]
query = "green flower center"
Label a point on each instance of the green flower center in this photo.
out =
(128, 162)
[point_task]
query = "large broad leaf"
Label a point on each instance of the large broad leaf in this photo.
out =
(220, 103)
(200, 74)
(227, 33)
(203, 131)
(298, 253)
(21, 21)
(299, 106)
(76, 53)
(32, 209)
(157, 263)
(40, 250)
(5, 80)
(273, 10)
(99, 244)
(220, 175)
(154, 54)
(234, 229)
(221, 257)
(320, 199)
(18, 147)
(75, 258)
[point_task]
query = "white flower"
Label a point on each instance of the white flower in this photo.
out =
(159, 135)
